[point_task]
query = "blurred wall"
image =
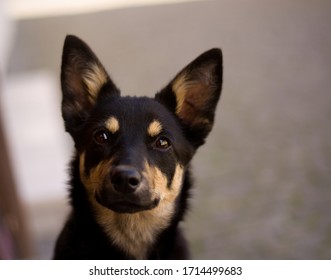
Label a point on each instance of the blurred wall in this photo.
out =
(263, 179)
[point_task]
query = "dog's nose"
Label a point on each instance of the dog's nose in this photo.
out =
(125, 179)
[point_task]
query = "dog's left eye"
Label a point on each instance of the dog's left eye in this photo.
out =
(101, 137)
(162, 143)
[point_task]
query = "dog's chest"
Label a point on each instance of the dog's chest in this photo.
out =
(136, 233)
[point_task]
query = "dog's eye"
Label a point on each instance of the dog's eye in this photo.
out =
(162, 143)
(101, 137)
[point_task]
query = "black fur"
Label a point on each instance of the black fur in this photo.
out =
(184, 109)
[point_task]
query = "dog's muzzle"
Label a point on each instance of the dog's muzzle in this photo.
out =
(126, 191)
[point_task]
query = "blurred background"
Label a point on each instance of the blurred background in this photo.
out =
(263, 179)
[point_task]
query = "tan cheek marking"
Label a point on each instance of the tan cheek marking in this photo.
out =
(94, 79)
(112, 125)
(154, 128)
(169, 195)
(96, 176)
(159, 184)
(158, 181)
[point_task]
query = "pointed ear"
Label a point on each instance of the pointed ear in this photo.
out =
(83, 81)
(193, 95)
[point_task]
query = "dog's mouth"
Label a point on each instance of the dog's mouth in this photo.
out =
(129, 207)
(126, 203)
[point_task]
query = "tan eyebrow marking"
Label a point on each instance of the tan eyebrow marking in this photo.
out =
(112, 124)
(154, 128)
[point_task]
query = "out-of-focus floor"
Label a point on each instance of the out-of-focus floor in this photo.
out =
(263, 179)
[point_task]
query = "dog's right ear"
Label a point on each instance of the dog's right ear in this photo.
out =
(84, 80)
(194, 93)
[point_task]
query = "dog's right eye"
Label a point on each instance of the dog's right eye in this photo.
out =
(101, 137)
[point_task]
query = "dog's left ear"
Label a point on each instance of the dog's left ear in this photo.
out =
(193, 95)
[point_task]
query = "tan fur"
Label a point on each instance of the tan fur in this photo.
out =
(191, 96)
(154, 128)
(94, 179)
(135, 233)
(112, 125)
(94, 79)
(180, 87)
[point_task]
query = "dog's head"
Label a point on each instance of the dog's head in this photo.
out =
(133, 151)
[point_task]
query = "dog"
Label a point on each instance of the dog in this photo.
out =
(130, 175)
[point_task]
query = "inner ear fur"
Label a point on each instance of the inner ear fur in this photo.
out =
(194, 93)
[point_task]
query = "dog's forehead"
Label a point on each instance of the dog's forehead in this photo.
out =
(137, 113)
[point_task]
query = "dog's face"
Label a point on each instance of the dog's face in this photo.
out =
(133, 152)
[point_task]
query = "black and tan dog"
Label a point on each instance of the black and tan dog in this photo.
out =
(130, 179)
